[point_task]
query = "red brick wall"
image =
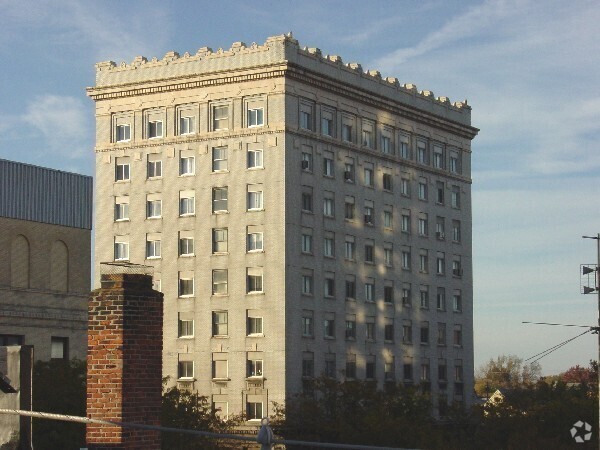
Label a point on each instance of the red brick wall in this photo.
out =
(124, 371)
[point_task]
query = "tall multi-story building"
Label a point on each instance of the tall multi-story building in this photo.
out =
(302, 216)
(45, 245)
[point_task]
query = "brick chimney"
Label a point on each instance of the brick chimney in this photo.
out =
(124, 361)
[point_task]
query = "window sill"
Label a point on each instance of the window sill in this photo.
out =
(213, 295)
(255, 168)
(219, 253)
(221, 211)
(255, 335)
(186, 296)
(122, 220)
(186, 379)
(255, 251)
(187, 255)
(188, 215)
(154, 178)
(122, 181)
(217, 379)
(153, 217)
(220, 336)
(153, 257)
(253, 293)
(183, 175)
(185, 337)
(221, 171)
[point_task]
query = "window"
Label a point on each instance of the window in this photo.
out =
(308, 364)
(186, 244)
(307, 324)
(328, 205)
(388, 254)
(369, 252)
(440, 227)
(404, 147)
(255, 197)
(186, 165)
(254, 276)
(154, 168)
(457, 302)
(187, 203)
(307, 283)
(439, 189)
(155, 129)
(349, 209)
(407, 332)
(405, 224)
(388, 330)
(422, 152)
(123, 132)
(422, 189)
(370, 290)
(59, 348)
(328, 165)
(457, 335)
(441, 340)
(455, 199)
(329, 327)
(306, 116)
(254, 367)
(425, 371)
(255, 117)
(387, 182)
(153, 208)
(220, 117)
(254, 411)
(351, 366)
(407, 371)
(254, 325)
(185, 369)
(388, 294)
(219, 240)
(254, 239)
(389, 370)
(424, 332)
(456, 230)
(351, 328)
(405, 187)
(423, 225)
(219, 196)
(219, 366)
(307, 161)
(186, 125)
(441, 299)
(370, 328)
(386, 145)
(349, 170)
(406, 295)
(438, 157)
(347, 133)
(255, 159)
(327, 121)
(405, 253)
(219, 159)
(441, 264)
(121, 208)
(186, 284)
(152, 246)
(156, 284)
(219, 282)
(369, 212)
(424, 296)
(329, 285)
(368, 176)
(121, 249)
(370, 368)
(367, 138)
(122, 169)
(329, 245)
(220, 323)
(330, 365)
(388, 219)
(456, 268)
(454, 163)
(350, 248)
(307, 203)
(307, 241)
(351, 287)
(423, 261)
(185, 327)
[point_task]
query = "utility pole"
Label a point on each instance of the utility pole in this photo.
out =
(588, 291)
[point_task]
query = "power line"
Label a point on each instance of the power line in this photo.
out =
(559, 324)
(556, 347)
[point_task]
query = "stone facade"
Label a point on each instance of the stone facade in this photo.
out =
(302, 216)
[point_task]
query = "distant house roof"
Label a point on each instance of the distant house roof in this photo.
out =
(44, 195)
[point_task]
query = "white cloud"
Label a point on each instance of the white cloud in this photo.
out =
(62, 122)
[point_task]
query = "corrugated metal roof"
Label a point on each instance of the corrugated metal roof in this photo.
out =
(45, 195)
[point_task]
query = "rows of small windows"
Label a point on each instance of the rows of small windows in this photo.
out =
(187, 119)
(387, 180)
(368, 134)
(59, 346)
(369, 293)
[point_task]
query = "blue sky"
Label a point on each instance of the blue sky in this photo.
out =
(529, 69)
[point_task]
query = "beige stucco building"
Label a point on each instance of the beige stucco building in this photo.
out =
(45, 252)
(302, 216)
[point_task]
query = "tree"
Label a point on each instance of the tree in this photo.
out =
(582, 375)
(507, 372)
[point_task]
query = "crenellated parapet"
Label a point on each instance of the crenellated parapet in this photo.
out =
(282, 50)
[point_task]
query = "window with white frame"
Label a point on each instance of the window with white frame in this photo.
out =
(422, 189)
(388, 217)
(185, 325)
(121, 248)
(454, 162)
(185, 370)
(220, 323)
(438, 157)
(455, 197)
(350, 248)
(370, 290)
(122, 169)
(187, 202)
(405, 254)
(456, 230)
(186, 164)
(187, 124)
(307, 241)
(328, 204)
(153, 245)
(386, 143)
(186, 284)
(423, 224)
(254, 365)
(186, 243)
(327, 122)
(306, 115)
(423, 261)
(219, 199)
(254, 324)
(307, 282)
(405, 221)
(425, 376)
(254, 158)
(457, 301)
(441, 299)
(441, 263)
(220, 116)
(424, 297)
(405, 187)
(254, 410)
(220, 369)
(255, 117)
(121, 208)
(368, 133)
(153, 206)
(219, 240)
(368, 175)
(255, 197)
(422, 152)
(329, 244)
(404, 146)
(123, 132)
(254, 280)
(219, 159)
(219, 281)
(328, 164)
(406, 295)
(254, 239)
(154, 166)
(155, 129)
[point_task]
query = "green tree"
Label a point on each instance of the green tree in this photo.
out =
(508, 372)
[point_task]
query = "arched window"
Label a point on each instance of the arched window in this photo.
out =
(19, 262)
(59, 267)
